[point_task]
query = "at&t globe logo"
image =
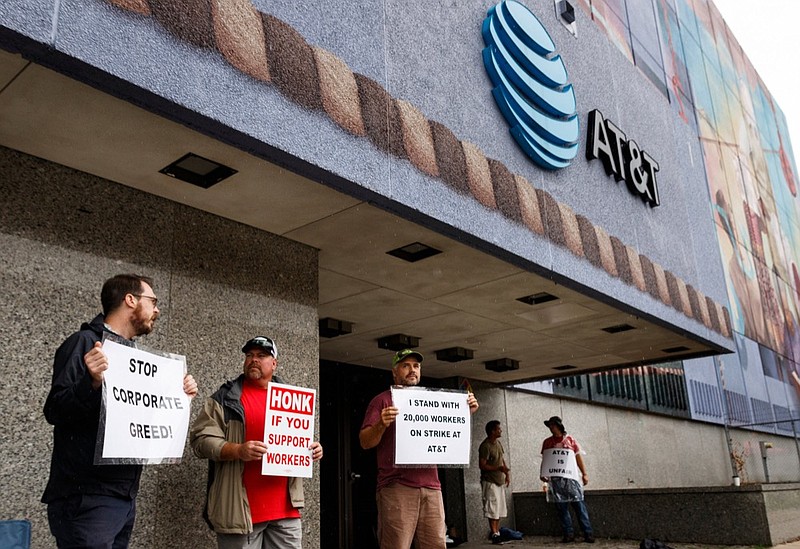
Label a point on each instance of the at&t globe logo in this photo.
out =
(530, 85)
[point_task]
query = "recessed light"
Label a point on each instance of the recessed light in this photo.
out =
(454, 354)
(197, 170)
(414, 252)
(679, 349)
(565, 367)
(332, 327)
(618, 328)
(537, 299)
(398, 342)
(502, 365)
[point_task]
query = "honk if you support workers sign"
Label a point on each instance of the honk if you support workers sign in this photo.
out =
(288, 431)
(432, 427)
(146, 412)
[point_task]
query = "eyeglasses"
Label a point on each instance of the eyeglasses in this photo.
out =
(151, 298)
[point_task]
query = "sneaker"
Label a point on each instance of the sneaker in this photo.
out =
(568, 538)
(588, 539)
(496, 539)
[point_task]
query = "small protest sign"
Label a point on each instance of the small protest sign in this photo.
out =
(145, 411)
(559, 462)
(432, 427)
(289, 431)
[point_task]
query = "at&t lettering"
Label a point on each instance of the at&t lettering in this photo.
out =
(622, 158)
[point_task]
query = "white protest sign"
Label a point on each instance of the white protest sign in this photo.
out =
(432, 427)
(146, 410)
(288, 431)
(560, 462)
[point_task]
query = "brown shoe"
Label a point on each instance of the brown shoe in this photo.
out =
(568, 538)
(588, 539)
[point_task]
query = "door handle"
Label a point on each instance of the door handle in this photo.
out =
(354, 476)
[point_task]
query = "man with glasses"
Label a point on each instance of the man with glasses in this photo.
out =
(92, 505)
(245, 508)
(410, 506)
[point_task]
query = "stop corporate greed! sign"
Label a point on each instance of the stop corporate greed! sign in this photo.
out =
(432, 427)
(145, 410)
(288, 431)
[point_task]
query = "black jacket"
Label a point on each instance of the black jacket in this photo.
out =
(73, 408)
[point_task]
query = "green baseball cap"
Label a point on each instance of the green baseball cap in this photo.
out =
(400, 355)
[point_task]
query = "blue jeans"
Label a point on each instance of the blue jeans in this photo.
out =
(566, 519)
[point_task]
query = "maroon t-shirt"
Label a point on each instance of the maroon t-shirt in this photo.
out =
(415, 477)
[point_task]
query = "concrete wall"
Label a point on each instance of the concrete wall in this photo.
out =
(748, 515)
(783, 507)
(625, 449)
(62, 234)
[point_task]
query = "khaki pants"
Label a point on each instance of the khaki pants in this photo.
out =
(408, 514)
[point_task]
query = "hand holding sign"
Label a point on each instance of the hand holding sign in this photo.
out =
(97, 363)
(250, 450)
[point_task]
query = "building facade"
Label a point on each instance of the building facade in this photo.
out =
(524, 190)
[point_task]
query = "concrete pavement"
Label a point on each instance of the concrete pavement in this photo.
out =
(548, 542)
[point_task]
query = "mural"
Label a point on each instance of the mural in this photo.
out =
(751, 172)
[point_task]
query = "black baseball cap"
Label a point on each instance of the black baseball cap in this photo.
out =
(264, 343)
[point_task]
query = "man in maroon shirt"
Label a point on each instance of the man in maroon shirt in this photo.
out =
(410, 506)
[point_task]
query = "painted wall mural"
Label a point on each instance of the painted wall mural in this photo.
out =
(751, 172)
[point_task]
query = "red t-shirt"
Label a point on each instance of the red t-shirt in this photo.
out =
(268, 495)
(561, 442)
(415, 477)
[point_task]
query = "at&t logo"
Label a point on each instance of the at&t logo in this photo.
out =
(530, 85)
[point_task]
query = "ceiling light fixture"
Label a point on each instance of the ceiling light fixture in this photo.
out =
(398, 342)
(537, 299)
(454, 354)
(618, 328)
(679, 349)
(331, 327)
(502, 365)
(415, 251)
(197, 170)
(565, 367)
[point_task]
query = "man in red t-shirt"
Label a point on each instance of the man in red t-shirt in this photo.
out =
(410, 506)
(565, 489)
(245, 508)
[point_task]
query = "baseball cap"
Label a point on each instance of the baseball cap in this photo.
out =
(400, 355)
(263, 342)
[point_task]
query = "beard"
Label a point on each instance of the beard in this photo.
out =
(142, 324)
(253, 373)
(408, 381)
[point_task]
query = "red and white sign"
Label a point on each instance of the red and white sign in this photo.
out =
(289, 431)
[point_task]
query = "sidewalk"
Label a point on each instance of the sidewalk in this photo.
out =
(549, 542)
